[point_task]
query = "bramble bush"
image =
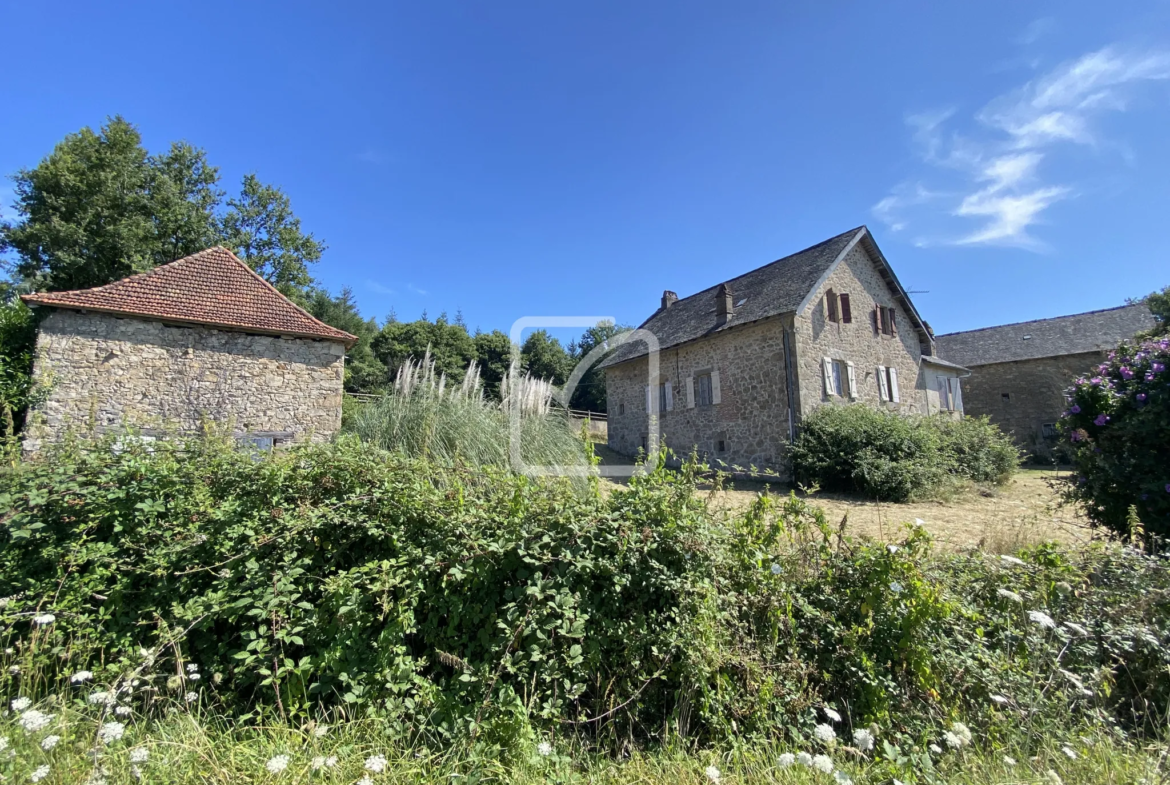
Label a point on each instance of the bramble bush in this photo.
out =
(342, 581)
(894, 457)
(1117, 428)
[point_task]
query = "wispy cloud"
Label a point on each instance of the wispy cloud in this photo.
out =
(998, 160)
(415, 289)
(1036, 29)
(374, 286)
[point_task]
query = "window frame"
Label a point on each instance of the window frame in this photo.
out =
(700, 399)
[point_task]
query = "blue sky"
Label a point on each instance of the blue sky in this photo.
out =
(511, 159)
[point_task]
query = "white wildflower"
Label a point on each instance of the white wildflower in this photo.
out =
(192, 667)
(713, 774)
(919, 522)
(1078, 629)
(139, 755)
(111, 732)
(842, 778)
(776, 569)
(101, 696)
(21, 703)
(135, 772)
(937, 750)
(320, 731)
(191, 697)
(49, 742)
(1009, 760)
(1000, 699)
(953, 740)
(892, 548)
(1053, 777)
(376, 763)
(277, 763)
(831, 714)
(823, 763)
(81, 676)
(544, 749)
(896, 587)
(804, 759)
(193, 676)
(122, 711)
(317, 763)
(40, 773)
(3, 743)
(962, 731)
(786, 760)
(14, 669)
(1043, 619)
(33, 721)
(44, 618)
(1010, 595)
(825, 733)
(365, 780)
(863, 740)
(1069, 751)
(1012, 559)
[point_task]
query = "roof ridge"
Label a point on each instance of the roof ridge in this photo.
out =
(1038, 321)
(768, 264)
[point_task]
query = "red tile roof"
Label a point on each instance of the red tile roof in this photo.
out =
(211, 287)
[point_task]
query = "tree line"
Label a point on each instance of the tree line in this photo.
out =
(101, 207)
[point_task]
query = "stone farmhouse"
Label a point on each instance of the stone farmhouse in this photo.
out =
(1019, 372)
(200, 340)
(740, 363)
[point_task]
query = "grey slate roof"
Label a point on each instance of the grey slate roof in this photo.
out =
(1082, 332)
(770, 290)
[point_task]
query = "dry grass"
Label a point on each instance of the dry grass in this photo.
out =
(1024, 512)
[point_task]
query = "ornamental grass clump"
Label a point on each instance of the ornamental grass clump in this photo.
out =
(1117, 429)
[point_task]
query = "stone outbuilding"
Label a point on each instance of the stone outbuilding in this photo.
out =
(197, 341)
(739, 364)
(1020, 372)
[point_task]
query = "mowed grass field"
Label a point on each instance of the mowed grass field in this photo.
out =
(1024, 512)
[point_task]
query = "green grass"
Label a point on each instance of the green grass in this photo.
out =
(186, 747)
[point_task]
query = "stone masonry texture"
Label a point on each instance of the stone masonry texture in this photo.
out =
(1022, 397)
(105, 372)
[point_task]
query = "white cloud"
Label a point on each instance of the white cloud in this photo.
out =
(998, 159)
(415, 289)
(374, 286)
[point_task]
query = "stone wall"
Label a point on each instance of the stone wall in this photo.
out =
(750, 418)
(105, 372)
(857, 342)
(1034, 391)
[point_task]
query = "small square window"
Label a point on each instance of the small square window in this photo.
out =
(1048, 430)
(721, 446)
(622, 408)
(1005, 397)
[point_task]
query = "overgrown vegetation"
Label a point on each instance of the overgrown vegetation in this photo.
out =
(427, 416)
(461, 607)
(889, 456)
(1117, 429)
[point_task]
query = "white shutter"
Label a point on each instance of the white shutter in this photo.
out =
(647, 398)
(957, 396)
(828, 365)
(690, 392)
(883, 391)
(894, 396)
(852, 381)
(669, 397)
(715, 398)
(944, 394)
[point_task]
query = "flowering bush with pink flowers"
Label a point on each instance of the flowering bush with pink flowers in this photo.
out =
(1118, 431)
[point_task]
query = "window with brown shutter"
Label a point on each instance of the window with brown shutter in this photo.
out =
(887, 320)
(846, 313)
(893, 322)
(831, 302)
(877, 320)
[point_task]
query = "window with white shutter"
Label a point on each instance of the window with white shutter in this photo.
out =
(883, 384)
(669, 398)
(956, 396)
(690, 392)
(828, 365)
(944, 394)
(704, 397)
(894, 395)
(716, 396)
(852, 378)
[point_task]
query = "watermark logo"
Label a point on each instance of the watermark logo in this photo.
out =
(563, 395)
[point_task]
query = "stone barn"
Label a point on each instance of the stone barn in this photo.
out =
(1019, 372)
(198, 341)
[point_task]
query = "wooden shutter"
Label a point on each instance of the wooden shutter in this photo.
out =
(715, 396)
(831, 302)
(846, 311)
(669, 398)
(877, 320)
(690, 392)
(944, 396)
(956, 395)
(828, 365)
(893, 322)
(883, 390)
(894, 395)
(852, 379)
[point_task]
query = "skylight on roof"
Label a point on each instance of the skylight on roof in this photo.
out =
(741, 302)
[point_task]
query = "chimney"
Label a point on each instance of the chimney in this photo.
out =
(669, 298)
(723, 304)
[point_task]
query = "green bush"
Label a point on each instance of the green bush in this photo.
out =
(884, 455)
(1117, 428)
(344, 579)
